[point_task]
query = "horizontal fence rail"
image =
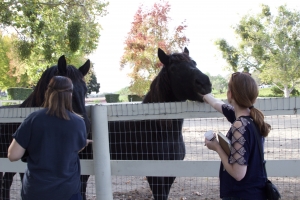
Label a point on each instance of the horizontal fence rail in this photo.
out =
(138, 111)
(275, 168)
(102, 167)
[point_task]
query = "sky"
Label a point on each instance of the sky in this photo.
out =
(207, 21)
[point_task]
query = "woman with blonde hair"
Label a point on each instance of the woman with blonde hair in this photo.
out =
(241, 173)
(52, 138)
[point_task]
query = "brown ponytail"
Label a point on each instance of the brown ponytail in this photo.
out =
(244, 90)
(258, 118)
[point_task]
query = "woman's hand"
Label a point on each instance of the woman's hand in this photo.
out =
(212, 144)
(213, 102)
(209, 95)
(88, 142)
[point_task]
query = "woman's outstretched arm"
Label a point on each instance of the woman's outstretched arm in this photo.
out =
(213, 102)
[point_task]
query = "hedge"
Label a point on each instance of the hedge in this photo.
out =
(18, 93)
(112, 98)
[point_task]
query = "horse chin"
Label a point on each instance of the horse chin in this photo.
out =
(201, 92)
(200, 97)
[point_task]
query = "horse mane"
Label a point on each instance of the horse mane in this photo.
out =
(160, 88)
(36, 98)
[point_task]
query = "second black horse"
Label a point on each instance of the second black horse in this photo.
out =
(179, 80)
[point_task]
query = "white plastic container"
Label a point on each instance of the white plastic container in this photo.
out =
(209, 135)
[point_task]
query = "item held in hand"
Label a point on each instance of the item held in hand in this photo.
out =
(224, 142)
(209, 135)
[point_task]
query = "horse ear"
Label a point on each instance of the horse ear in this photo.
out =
(84, 69)
(62, 65)
(186, 51)
(163, 57)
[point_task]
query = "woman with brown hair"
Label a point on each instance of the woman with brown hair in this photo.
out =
(52, 137)
(241, 173)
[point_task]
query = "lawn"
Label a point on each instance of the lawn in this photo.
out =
(263, 92)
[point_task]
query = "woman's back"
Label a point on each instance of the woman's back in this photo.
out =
(53, 163)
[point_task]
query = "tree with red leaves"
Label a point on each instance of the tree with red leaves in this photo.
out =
(150, 31)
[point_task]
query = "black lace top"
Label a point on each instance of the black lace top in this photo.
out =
(244, 151)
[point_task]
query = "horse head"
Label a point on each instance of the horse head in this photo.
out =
(79, 85)
(178, 80)
(37, 97)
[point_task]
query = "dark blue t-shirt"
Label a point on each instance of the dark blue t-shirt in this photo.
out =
(251, 186)
(53, 167)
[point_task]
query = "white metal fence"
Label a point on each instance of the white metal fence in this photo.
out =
(281, 149)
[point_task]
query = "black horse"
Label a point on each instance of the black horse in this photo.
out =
(36, 99)
(179, 80)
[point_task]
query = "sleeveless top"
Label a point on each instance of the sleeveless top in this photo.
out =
(251, 186)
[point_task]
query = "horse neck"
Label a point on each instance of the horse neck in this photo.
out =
(160, 89)
(34, 100)
(156, 97)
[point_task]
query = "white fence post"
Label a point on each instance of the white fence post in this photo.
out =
(101, 154)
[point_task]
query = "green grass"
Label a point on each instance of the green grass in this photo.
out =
(266, 92)
(263, 92)
(123, 98)
(220, 96)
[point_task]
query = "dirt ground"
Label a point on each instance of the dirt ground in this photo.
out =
(282, 143)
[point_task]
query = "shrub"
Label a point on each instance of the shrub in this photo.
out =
(295, 92)
(18, 93)
(280, 93)
(112, 98)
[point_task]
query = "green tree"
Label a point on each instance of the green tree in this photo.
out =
(219, 83)
(8, 62)
(92, 85)
(49, 29)
(269, 43)
(149, 32)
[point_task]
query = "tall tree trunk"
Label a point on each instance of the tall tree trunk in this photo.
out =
(286, 91)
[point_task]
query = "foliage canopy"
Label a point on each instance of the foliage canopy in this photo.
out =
(150, 31)
(9, 63)
(93, 85)
(269, 43)
(49, 29)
